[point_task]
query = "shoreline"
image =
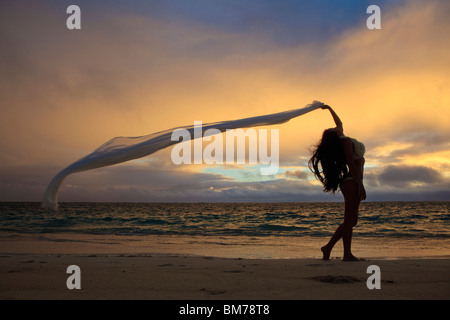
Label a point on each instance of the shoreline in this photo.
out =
(34, 267)
(219, 246)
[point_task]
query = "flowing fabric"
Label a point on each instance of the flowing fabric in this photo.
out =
(121, 149)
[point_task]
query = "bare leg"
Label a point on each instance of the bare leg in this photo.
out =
(326, 250)
(350, 191)
(345, 230)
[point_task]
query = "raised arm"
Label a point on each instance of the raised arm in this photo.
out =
(335, 116)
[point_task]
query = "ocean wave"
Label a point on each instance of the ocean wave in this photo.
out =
(386, 219)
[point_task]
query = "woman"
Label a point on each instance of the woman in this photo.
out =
(341, 162)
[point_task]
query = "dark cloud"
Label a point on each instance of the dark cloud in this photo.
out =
(404, 176)
(276, 20)
(412, 142)
(155, 181)
(24, 183)
(160, 182)
(424, 141)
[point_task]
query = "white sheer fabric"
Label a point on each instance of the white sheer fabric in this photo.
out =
(121, 149)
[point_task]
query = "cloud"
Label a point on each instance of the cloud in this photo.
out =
(407, 176)
(137, 72)
(155, 183)
(297, 174)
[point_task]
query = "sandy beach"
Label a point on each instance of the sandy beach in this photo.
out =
(34, 267)
(189, 277)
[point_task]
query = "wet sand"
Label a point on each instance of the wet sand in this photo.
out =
(35, 268)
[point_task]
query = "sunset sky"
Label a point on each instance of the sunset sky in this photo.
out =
(138, 67)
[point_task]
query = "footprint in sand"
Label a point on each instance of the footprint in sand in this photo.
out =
(213, 291)
(336, 279)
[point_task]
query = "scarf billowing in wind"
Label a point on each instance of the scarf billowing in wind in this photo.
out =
(121, 149)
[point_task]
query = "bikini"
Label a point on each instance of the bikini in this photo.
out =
(360, 150)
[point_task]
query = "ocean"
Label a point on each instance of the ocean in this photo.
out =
(405, 224)
(376, 219)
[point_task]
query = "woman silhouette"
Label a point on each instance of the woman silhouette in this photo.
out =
(341, 160)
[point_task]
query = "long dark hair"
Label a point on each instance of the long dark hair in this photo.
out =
(329, 153)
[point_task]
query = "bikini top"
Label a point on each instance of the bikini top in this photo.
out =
(360, 149)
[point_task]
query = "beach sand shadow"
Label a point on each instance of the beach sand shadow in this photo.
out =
(336, 279)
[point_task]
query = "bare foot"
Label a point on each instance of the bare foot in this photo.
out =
(326, 253)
